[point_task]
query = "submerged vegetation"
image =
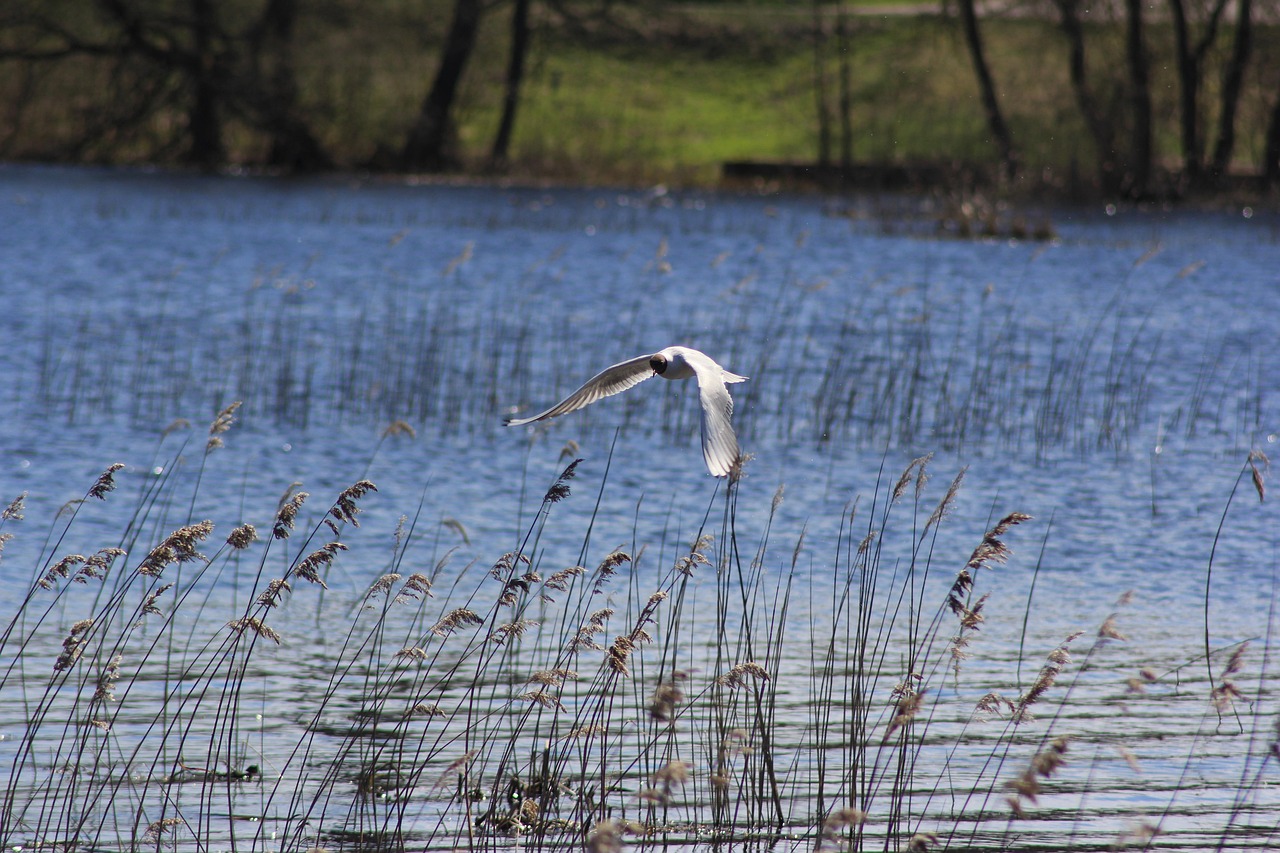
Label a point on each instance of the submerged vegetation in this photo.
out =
(198, 689)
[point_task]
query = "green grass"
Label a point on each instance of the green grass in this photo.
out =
(687, 91)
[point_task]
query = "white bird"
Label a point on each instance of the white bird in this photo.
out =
(719, 444)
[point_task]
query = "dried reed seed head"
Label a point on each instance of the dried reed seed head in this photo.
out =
(96, 565)
(922, 842)
(543, 698)
(309, 567)
(560, 488)
(777, 498)
(288, 514)
(107, 679)
(447, 777)
(1015, 806)
(345, 507)
(665, 699)
(617, 654)
(865, 544)
(1109, 630)
(1047, 761)
(560, 580)
(276, 588)
(178, 547)
(948, 500)
(914, 470)
(1009, 521)
(960, 591)
(841, 818)
(511, 630)
(455, 619)
(60, 569)
(158, 828)
(971, 618)
(287, 494)
(256, 625)
(570, 450)
(993, 703)
(674, 773)
(1259, 482)
(106, 482)
(586, 731)
(175, 425)
(612, 562)
(657, 598)
(908, 706)
(1236, 662)
(149, 604)
(606, 837)
(73, 645)
(458, 528)
(417, 586)
(1225, 694)
(738, 674)
(15, 508)
(552, 677)
(383, 584)
(396, 428)
(224, 419)
(412, 653)
(429, 710)
(242, 537)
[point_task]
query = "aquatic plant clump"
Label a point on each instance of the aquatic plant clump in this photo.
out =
(310, 689)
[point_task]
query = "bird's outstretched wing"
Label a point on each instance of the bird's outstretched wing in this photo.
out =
(606, 383)
(719, 443)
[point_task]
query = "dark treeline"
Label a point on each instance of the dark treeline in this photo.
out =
(212, 84)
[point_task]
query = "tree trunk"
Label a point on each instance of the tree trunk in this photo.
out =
(1271, 155)
(820, 87)
(1232, 82)
(204, 121)
(1188, 94)
(427, 148)
(846, 88)
(273, 91)
(1140, 150)
(1101, 130)
(987, 89)
(515, 74)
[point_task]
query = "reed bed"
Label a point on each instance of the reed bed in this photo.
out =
(214, 687)
(900, 369)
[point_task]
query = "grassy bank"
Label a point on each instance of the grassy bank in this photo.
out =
(663, 95)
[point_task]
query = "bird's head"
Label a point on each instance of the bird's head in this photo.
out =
(659, 364)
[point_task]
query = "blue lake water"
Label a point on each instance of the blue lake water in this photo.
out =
(1111, 384)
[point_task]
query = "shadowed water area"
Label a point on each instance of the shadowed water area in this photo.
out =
(849, 627)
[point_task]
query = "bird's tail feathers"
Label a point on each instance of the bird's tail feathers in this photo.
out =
(732, 377)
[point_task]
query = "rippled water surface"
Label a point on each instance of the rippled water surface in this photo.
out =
(1111, 384)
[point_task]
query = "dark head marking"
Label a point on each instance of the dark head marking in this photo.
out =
(659, 364)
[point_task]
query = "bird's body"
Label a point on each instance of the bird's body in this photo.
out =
(719, 444)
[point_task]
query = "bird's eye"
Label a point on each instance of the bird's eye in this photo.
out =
(658, 363)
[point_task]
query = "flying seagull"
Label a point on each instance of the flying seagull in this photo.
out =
(719, 444)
